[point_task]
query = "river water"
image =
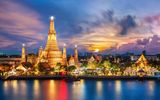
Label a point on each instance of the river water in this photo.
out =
(80, 90)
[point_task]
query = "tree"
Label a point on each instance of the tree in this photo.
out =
(57, 67)
(107, 64)
(71, 68)
(84, 65)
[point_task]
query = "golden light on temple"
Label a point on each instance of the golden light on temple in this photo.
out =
(52, 53)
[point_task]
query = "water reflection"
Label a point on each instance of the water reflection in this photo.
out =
(151, 85)
(82, 90)
(63, 93)
(78, 90)
(36, 88)
(15, 86)
(99, 88)
(23, 87)
(5, 86)
(118, 87)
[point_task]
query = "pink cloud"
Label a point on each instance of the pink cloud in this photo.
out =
(16, 19)
(106, 37)
(4, 42)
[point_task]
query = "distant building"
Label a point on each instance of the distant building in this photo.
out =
(149, 57)
(64, 56)
(23, 55)
(76, 56)
(15, 60)
(141, 67)
(71, 61)
(32, 58)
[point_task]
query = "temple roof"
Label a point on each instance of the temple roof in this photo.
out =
(21, 67)
(142, 59)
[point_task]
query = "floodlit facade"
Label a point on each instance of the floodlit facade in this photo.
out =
(64, 56)
(23, 55)
(52, 54)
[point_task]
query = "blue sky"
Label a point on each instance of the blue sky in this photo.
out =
(110, 26)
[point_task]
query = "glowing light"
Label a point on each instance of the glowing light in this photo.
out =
(96, 50)
(75, 46)
(150, 40)
(64, 44)
(52, 17)
(23, 45)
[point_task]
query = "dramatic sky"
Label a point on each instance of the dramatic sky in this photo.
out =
(111, 26)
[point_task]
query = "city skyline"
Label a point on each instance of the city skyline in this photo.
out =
(110, 26)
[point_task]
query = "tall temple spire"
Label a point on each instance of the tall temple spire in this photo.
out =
(76, 56)
(23, 55)
(52, 28)
(40, 51)
(64, 56)
(52, 40)
(52, 53)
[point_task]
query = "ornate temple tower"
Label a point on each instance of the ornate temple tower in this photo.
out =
(52, 53)
(142, 63)
(64, 56)
(76, 56)
(23, 55)
(40, 52)
(71, 61)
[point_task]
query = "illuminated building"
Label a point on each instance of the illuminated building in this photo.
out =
(142, 62)
(40, 52)
(71, 61)
(31, 58)
(140, 68)
(92, 63)
(21, 67)
(64, 56)
(52, 53)
(23, 55)
(76, 56)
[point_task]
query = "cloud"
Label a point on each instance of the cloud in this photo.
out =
(4, 42)
(126, 23)
(113, 34)
(18, 20)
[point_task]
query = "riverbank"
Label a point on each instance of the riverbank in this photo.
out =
(58, 77)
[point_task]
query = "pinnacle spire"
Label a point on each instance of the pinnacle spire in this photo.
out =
(52, 54)
(23, 54)
(51, 27)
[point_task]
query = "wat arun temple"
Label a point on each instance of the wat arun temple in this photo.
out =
(52, 59)
(52, 54)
